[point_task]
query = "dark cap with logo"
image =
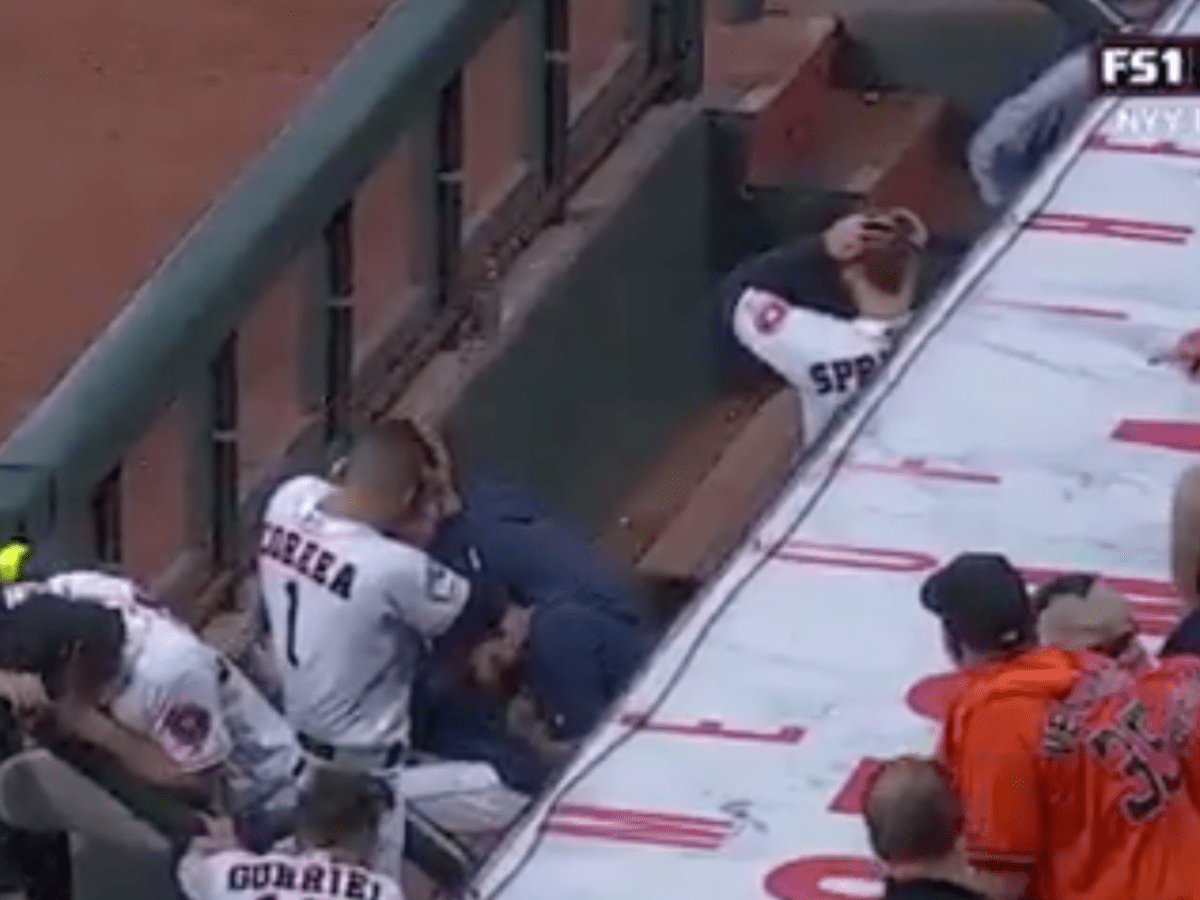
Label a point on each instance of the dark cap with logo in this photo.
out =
(982, 600)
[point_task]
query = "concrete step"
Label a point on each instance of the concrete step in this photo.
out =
(769, 55)
(724, 505)
(777, 93)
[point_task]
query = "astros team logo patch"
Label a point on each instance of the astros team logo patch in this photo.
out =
(770, 315)
(188, 724)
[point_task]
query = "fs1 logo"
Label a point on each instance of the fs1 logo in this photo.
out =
(1147, 66)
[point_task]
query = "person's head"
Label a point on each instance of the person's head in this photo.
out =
(914, 817)
(892, 253)
(1081, 611)
(75, 645)
(984, 607)
(386, 475)
(484, 646)
(340, 811)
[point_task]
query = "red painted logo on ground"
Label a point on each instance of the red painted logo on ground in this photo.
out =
(825, 878)
(1111, 227)
(638, 826)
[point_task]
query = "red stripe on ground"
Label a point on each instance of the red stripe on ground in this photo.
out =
(636, 826)
(1160, 148)
(1063, 309)
(1169, 435)
(916, 468)
(1109, 227)
(713, 729)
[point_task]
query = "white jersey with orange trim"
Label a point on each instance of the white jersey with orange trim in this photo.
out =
(825, 358)
(310, 875)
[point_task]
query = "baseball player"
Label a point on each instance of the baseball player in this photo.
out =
(1071, 767)
(352, 601)
(175, 712)
(823, 313)
(562, 662)
(337, 826)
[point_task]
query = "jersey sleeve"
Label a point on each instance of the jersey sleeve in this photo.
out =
(995, 770)
(425, 594)
(196, 875)
(187, 719)
(788, 338)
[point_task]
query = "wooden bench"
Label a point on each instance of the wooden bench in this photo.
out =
(722, 507)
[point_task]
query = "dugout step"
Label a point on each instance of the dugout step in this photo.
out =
(761, 62)
(893, 149)
(730, 497)
(860, 138)
(677, 474)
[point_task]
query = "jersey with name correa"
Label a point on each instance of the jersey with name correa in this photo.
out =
(825, 358)
(350, 610)
(313, 875)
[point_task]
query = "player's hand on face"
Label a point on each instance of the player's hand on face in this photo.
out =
(851, 236)
(440, 496)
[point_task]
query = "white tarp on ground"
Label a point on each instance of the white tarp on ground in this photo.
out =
(1021, 416)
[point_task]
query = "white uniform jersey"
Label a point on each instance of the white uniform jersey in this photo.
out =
(312, 875)
(826, 359)
(350, 611)
(184, 694)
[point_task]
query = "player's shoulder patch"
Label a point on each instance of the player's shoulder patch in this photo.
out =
(440, 582)
(188, 723)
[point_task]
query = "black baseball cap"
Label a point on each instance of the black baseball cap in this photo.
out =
(982, 600)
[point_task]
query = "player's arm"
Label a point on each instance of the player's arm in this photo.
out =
(425, 594)
(188, 739)
(143, 757)
(1185, 537)
(994, 769)
(198, 872)
(787, 338)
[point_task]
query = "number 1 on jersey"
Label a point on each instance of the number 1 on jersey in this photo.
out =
(293, 611)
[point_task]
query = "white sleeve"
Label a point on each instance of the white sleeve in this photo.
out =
(390, 888)
(195, 874)
(424, 593)
(187, 719)
(100, 587)
(788, 338)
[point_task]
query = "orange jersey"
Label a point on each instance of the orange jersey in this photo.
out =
(1072, 768)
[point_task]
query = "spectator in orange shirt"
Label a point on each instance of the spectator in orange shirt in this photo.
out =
(1069, 767)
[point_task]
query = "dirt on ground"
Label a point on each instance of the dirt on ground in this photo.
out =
(122, 118)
